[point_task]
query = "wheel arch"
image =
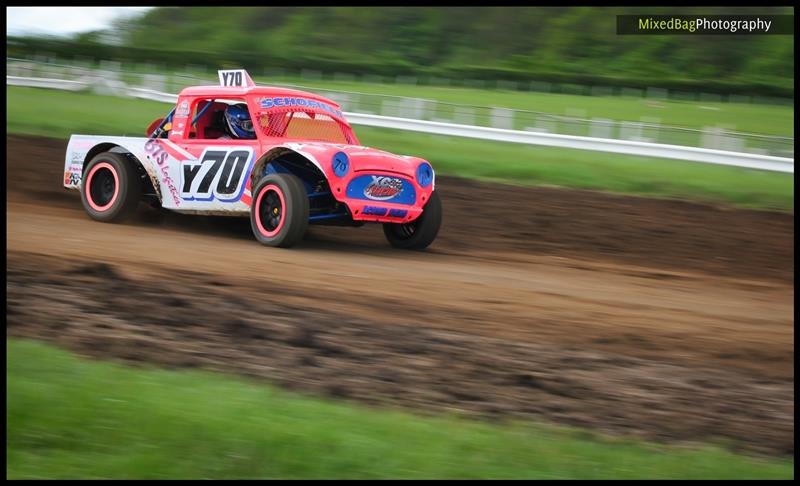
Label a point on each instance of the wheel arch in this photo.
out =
(149, 181)
(278, 153)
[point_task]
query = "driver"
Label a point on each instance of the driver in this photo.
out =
(238, 123)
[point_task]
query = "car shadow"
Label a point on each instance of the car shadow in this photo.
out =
(367, 239)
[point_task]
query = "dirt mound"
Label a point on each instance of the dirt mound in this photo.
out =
(177, 321)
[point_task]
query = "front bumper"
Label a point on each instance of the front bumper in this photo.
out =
(379, 196)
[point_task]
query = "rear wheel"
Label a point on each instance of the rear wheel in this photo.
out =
(420, 233)
(279, 212)
(110, 188)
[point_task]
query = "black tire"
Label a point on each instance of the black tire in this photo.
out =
(420, 233)
(110, 188)
(279, 212)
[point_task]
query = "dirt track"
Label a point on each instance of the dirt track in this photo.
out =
(662, 319)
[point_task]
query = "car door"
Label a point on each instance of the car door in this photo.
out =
(211, 172)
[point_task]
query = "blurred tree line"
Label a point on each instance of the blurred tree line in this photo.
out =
(552, 44)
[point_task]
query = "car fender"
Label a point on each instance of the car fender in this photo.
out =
(151, 154)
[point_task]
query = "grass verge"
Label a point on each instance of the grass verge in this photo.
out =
(74, 418)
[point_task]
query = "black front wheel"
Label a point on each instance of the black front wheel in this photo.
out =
(279, 212)
(420, 233)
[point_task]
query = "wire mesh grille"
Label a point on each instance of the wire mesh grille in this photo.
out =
(306, 125)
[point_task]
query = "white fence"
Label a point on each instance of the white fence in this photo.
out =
(574, 120)
(678, 152)
(628, 147)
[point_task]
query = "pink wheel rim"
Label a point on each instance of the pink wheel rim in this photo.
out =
(259, 224)
(87, 188)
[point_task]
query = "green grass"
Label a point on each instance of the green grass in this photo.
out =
(761, 118)
(59, 114)
(74, 418)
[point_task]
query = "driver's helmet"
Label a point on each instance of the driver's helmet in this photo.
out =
(238, 121)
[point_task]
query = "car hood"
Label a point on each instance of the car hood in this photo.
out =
(361, 158)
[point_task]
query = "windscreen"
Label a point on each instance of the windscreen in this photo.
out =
(305, 125)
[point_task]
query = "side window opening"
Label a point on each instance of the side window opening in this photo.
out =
(210, 123)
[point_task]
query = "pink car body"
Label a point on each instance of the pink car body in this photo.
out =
(185, 166)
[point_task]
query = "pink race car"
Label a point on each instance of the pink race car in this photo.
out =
(284, 157)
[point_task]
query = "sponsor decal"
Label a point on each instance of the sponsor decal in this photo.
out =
(71, 178)
(383, 188)
(183, 109)
(379, 211)
(373, 211)
(267, 103)
(220, 174)
(153, 148)
(377, 187)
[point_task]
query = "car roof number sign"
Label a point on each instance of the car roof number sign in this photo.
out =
(234, 77)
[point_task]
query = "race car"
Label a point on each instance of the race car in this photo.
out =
(285, 158)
